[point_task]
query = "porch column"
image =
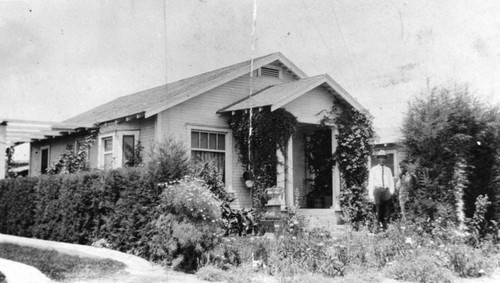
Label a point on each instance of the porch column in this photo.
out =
(284, 178)
(335, 174)
(3, 147)
(281, 176)
(289, 201)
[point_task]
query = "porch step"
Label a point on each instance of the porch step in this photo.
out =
(327, 219)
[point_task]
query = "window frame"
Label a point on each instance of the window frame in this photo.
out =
(42, 148)
(228, 151)
(117, 151)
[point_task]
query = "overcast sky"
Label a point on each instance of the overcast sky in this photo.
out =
(60, 58)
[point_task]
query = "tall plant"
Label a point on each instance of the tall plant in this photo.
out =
(355, 139)
(271, 131)
(446, 127)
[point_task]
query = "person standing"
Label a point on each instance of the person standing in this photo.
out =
(405, 182)
(381, 189)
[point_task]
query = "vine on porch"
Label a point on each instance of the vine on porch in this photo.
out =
(270, 132)
(355, 138)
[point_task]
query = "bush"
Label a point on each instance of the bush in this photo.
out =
(17, 206)
(207, 172)
(128, 197)
(168, 160)
(455, 142)
(186, 224)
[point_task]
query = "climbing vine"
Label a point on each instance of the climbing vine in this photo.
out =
(72, 161)
(270, 132)
(355, 139)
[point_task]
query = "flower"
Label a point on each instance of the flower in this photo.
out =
(408, 240)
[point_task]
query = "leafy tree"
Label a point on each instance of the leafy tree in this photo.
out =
(454, 140)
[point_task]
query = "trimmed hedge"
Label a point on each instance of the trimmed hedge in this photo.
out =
(136, 210)
(17, 206)
(80, 208)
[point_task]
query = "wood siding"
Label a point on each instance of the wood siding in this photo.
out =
(58, 145)
(202, 111)
(310, 107)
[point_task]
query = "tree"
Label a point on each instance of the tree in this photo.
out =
(454, 140)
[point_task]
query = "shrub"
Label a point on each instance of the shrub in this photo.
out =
(454, 140)
(17, 206)
(186, 224)
(207, 172)
(126, 206)
(168, 160)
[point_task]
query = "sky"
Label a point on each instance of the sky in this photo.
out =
(61, 58)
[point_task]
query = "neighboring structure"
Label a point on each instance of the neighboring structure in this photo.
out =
(197, 110)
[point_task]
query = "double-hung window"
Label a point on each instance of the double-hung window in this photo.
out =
(209, 147)
(213, 145)
(117, 149)
(107, 150)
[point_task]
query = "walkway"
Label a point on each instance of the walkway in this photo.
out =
(137, 270)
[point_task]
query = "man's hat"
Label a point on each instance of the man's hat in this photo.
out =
(381, 153)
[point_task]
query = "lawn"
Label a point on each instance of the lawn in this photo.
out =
(61, 267)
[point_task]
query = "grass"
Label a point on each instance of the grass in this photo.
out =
(59, 266)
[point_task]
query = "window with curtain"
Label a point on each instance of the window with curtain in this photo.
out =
(209, 147)
(128, 149)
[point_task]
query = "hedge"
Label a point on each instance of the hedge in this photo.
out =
(17, 206)
(80, 208)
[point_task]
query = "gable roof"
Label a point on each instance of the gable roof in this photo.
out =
(279, 95)
(155, 100)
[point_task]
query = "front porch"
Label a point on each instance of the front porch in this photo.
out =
(315, 192)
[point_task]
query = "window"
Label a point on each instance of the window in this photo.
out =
(107, 144)
(45, 159)
(213, 144)
(128, 149)
(209, 147)
(117, 149)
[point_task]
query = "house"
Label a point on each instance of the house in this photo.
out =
(197, 110)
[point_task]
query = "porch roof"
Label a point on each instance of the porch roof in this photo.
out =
(279, 95)
(17, 131)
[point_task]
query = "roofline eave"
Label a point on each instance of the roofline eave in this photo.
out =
(238, 73)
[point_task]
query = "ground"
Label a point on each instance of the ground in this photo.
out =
(138, 269)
